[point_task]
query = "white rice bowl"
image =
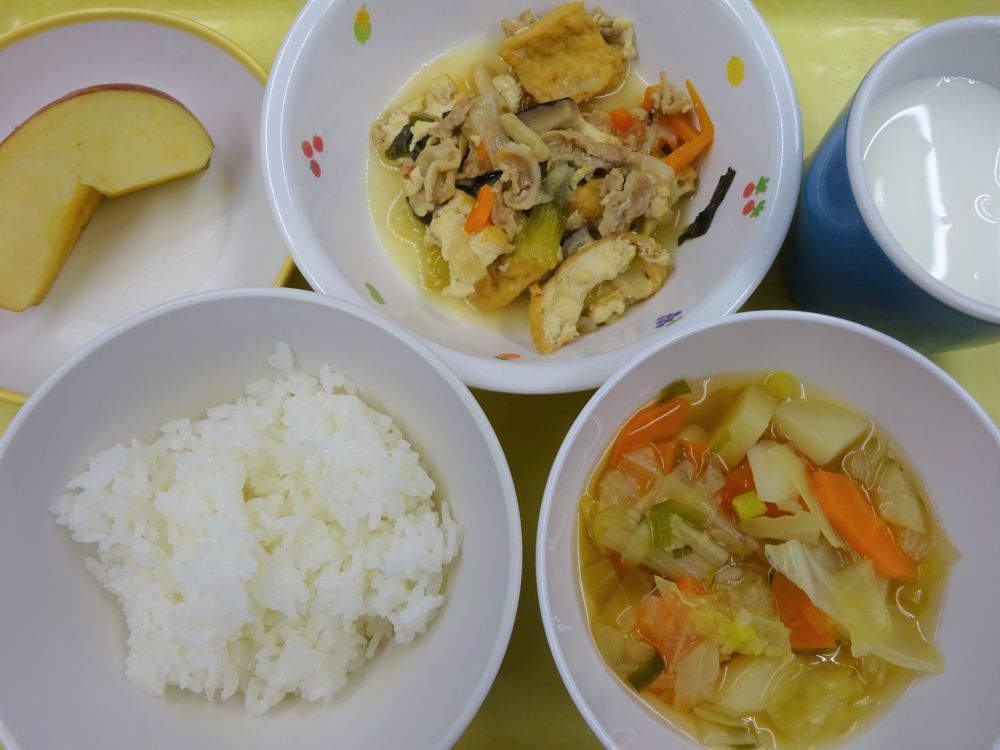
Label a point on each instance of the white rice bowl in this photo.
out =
(63, 654)
(268, 548)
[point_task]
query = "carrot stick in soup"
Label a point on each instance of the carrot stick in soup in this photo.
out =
(661, 622)
(738, 481)
(696, 452)
(809, 626)
(854, 517)
(668, 455)
(690, 584)
(653, 424)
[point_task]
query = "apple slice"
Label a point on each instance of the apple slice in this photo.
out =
(99, 141)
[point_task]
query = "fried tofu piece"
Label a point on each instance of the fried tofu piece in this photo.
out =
(563, 54)
(641, 280)
(629, 266)
(556, 306)
(505, 281)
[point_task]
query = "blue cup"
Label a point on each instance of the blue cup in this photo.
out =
(842, 259)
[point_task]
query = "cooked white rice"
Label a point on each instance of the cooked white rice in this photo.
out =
(268, 548)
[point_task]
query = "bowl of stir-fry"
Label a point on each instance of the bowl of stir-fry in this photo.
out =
(769, 532)
(537, 192)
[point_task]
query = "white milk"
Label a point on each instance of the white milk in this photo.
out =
(932, 163)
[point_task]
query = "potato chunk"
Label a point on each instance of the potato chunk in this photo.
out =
(563, 54)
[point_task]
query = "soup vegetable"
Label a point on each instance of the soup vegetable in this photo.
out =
(759, 564)
(523, 189)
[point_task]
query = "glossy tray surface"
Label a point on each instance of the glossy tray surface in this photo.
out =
(829, 47)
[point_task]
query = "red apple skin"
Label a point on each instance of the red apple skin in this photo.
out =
(92, 89)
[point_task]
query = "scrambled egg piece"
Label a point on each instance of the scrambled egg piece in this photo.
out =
(563, 54)
(468, 256)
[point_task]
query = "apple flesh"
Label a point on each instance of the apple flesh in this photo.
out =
(55, 167)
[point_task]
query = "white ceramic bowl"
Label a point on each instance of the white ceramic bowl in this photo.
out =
(63, 646)
(327, 83)
(935, 423)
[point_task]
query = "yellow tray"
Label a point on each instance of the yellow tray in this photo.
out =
(829, 46)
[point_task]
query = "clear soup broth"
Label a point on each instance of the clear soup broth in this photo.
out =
(760, 564)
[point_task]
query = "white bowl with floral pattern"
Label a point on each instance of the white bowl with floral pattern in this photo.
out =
(343, 62)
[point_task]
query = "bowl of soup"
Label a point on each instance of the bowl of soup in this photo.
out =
(763, 534)
(537, 193)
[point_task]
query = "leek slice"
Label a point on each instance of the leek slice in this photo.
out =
(748, 505)
(646, 673)
(658, 518)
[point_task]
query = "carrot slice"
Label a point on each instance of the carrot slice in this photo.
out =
(681, 125)
(685, 155)
(773, 511)
(652, 424)
(809, 626)
(621, 121)
(661, 622)
(482, 152)
(690, 584)
(668, 455)
(854, 517)
(479, 216)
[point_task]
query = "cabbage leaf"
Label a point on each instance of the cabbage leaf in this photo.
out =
(803, 526)
(738, 618)
(788, 461)
(855, 598)
(816, 701)
(897, 499)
